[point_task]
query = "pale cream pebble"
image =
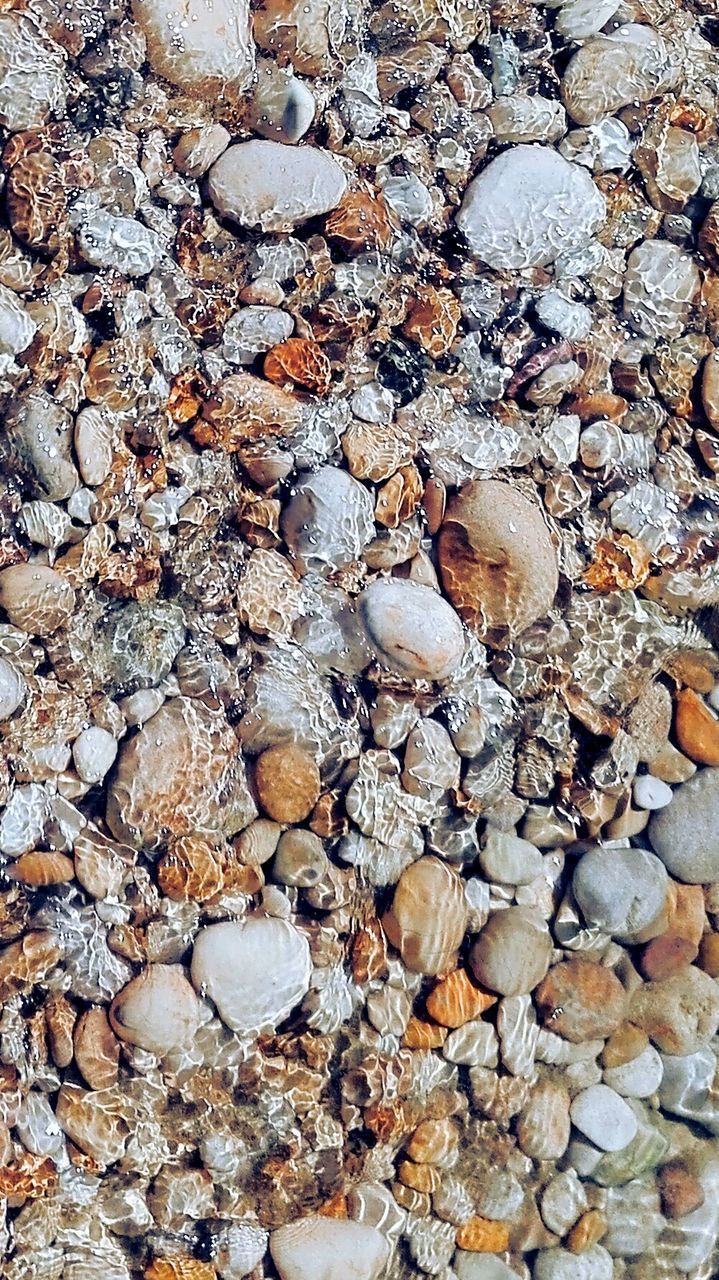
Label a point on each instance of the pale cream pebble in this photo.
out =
(273, 185)
(198, 149)
(205, 49)
(316, 1248)
(94, 753)
(158, 1010)
(255, 971)
(36, 598)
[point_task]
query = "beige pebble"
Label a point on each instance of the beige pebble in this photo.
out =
(36, 598)
(158, 1010)
(428, 916)
(287, 782)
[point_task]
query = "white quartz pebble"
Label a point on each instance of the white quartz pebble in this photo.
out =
(650, 792)
(603, 1117)
(12, 689)
(317, 1248)
(157, 1011)
(639, 1078)
(93, 753)
(255, 971)
(275, 186)
(203, 47)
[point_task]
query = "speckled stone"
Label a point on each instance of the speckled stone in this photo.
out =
(581, 1000)
(679, 1015)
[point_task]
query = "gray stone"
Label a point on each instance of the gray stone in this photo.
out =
(275, 186)
(603, 1117)
(328, 521)
(509, 859)
(562, 1264)
(620, 891)
(412, 629)
(512, 951)
(684, 834)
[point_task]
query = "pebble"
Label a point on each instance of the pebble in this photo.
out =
(121, 244)
(252, 330)
(428, 916)
(273, 185)
(562, 1264)
(481, 1266)
(316, 1248)
(300, 859)
(651, 793)
(631, 64)
(157, 1011)
(93, 753)
(667, 955)
(621, 891)
(509, 859)
(17, 329)
(604, 1117)
(563, 1201)
(512, 952)
(683, 833)
(287, 781)
(283, 107)
(197, 150)
(528, 205)
(497, 559)
(543, 1126)
(38, 431)
(681, 1014)
(205, 49)
(660, 284)
(32, 74)
(638, 1078)
(680, 1190)
(36, 598)
(255, 971)
(328, 521)
(473, 1045)
(697, 728)
(581, 1000)
(413, 631)
(12, 689)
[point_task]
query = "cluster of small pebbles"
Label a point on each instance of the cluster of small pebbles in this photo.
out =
(359, 640)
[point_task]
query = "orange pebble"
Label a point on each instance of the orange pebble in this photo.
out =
(588, 1231)
(481, 1235)
(697, 728)
(456, 1000)
(423, 1035)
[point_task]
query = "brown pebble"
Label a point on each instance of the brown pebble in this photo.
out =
(709, 954)
(697, 671)
(434, 502)
(482, 1235)
(423, 1177)
(581, 1000)
(38, 869)
(697, 728)
(288, 782)
(588, 1231)
(665, 956)
(456, 1000)
(687, 916)
(624, 1044)
(432, 1142)
(602, 404)
(680, 1190)
(97, 1049)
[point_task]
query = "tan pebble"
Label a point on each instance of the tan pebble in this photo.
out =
(36, 598)
(680, 1190)
(158, 1011)
(417, 1202)
(433, 320)
(39, 869)
(92, 1119)
(60, 1019)
(687, 914)
(257, 843)
(588, 1231)
(97, 1049)
(428, 916)
(482, 1235)
(698, 670)
(398, 497)
(361, 222)
(671, 765)
(650, 719)
(544, 1125)
(710, 387)
(665, 956)
(581, 1000)
(697, 728)
(27, 961)
(30, 1178)
(433, 1142)
(244, 408)
(624, 1044)
(300, 361)
(709, 954)
(681, 1014)
(600, 405)
(300, 859)
(423, 1035)
(369, 955)
(456, 1000)
(192, 869)
(423, 1177)
(497, 559)
(288, 782)
(435, 502)
(328, 818)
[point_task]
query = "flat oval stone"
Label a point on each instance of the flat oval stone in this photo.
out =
(639, 1078)
(603, 1117)
(512, 952)
(683, 834)
(527, 206)
(158, 1011)
(204, 48)
(581, 1000)
(508, 859)
(497, 559)
(631, 64)
(412, 629)
(255, 972)
(428, 916)
(274, 185)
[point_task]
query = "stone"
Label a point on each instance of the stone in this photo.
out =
(121, 244)
(428, 916)
(624, 1044)
(681, 1014)
(621, 891)
(17, 329)
(412, 629)
(638, 1078)
(456, 1000)
(512, 952)
(197, 150)
(300, 859)
(273, 185)
(36, 598)
(680, 1190)
(581, 1000)
(473, 1045)
(632, 64)
(32, 73)
(97, 1049)
(651, 793)
(283, 107)
(256, 971)
(543, 1126)
(709, 954)
(528, 205)
(316, 1248)
(667, 955)
(508, 859)
(563, 1201)
(12, 689)
(287, 781)
(603, 1117)
(480, 1266)
(697, 728)
(205, 49)
(181, 774)
(328, 521)
(158, 1010)
(93, 753)
(684, 833)
(660, 283)
(497, 559)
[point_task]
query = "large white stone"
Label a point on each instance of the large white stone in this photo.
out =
(255, 971)
(274, 185)
(204, 46)
(527, 206)
(318, 1248)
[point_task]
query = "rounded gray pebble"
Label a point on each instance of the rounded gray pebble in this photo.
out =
(684, 833)
(620, 891)
(512, 951)
(508, 859)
